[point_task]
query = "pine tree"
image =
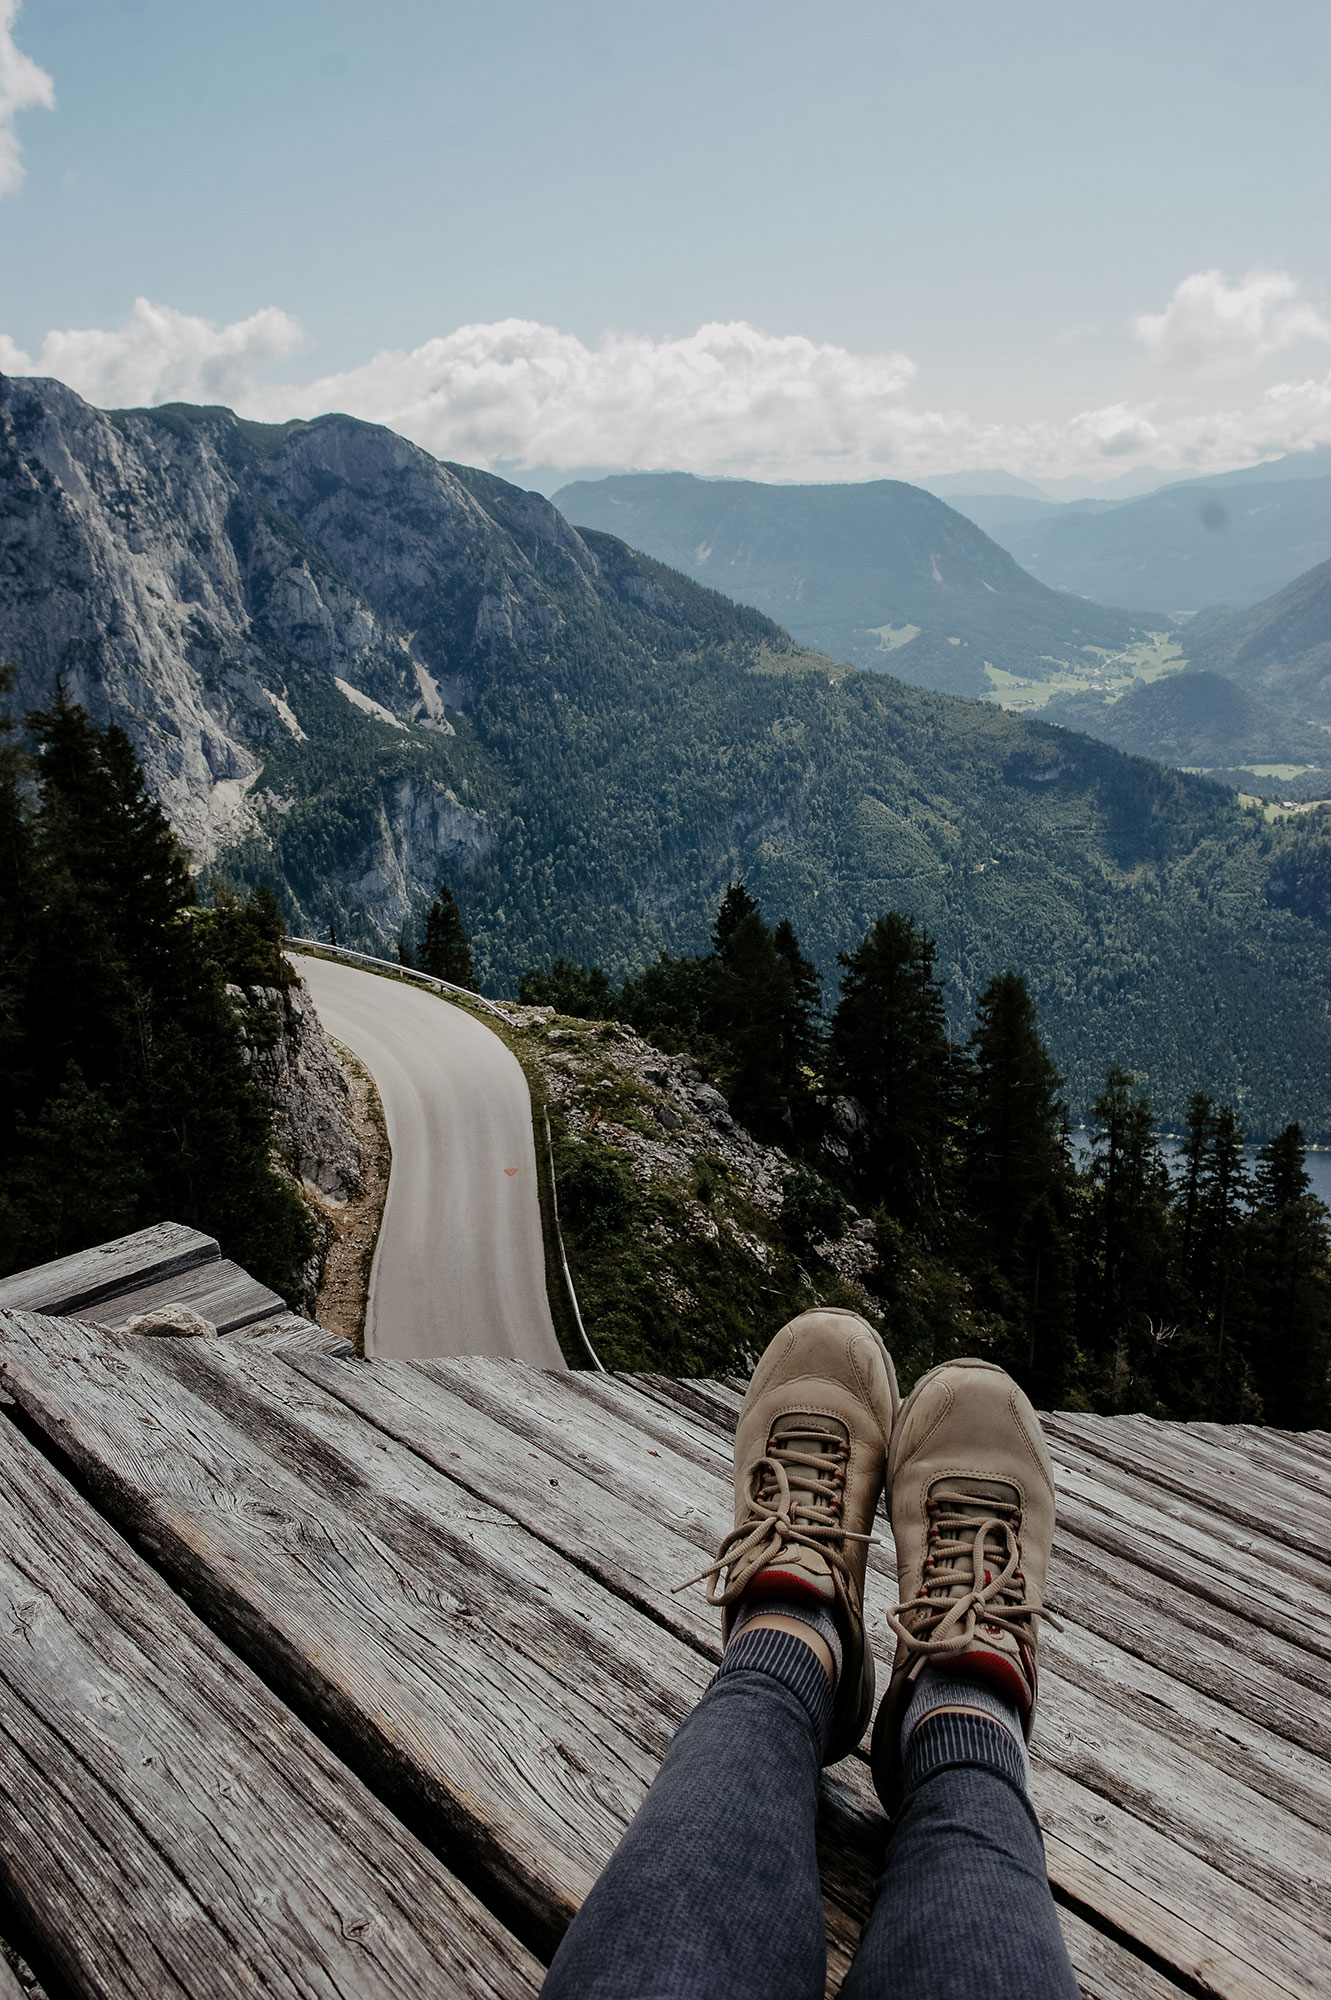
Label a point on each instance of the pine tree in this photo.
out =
(1018, 1181)
(749, 1001)
(446, 953)
(892, 1056)
(1288, 1335)
(801, 1032)
(1217, 1260)
(1126, 1236)
(581, 990)
(736, 905)
(134, 1098)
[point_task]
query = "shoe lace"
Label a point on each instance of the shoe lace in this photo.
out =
(972, 1577)
(796, 1498)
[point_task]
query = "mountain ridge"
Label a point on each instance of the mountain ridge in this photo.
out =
(351, 670)
(881, 574)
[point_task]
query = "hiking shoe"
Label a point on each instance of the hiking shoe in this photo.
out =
(972, 1505)
(810, 1452)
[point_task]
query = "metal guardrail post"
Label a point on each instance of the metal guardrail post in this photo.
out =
(596, 1361)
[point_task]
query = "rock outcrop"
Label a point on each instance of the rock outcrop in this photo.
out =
(294, 1062)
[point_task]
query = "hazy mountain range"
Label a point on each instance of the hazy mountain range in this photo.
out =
(352, 670)
(880, 574)
(887, 576)
(1224, 542)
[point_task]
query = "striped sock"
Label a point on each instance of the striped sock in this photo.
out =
(786, 1659)
(815, 1616)
(937, 1688)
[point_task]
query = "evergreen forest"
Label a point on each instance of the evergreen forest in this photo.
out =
(1189, 1284)
(124, 1096)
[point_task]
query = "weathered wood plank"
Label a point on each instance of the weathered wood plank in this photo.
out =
(289, 1333)
(472, 1675)
(71, 1284)
(167, 1826)
(221, 1291)
(639, 1547)
(9, 1986)
(224, 1421)
(1210, 1649)
(1099, 1696)
(554, 1749)
(1230, 1481)
(1293, 1559)
(1106, 1970)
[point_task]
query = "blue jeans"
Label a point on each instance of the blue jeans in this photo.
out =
(713, 1893)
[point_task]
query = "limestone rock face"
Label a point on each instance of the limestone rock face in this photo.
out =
(238, 595)
(290, 1056)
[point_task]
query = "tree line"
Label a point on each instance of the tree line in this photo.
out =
(1195, 1287)
(124, 1093)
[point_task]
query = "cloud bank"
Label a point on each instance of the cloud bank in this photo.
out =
(1216, 328)
(22, 87)
(729, 398)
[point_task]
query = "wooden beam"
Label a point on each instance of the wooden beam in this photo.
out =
(167, 1827)
(74, 1283)
(221, 1291)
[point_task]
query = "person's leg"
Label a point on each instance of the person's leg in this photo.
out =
(713, 1890)
(964, 1909)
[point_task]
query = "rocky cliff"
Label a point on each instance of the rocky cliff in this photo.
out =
(352, 671)
(288, 1053)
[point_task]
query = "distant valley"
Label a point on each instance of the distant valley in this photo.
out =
(1224, 541)
(352, 671)
(880, 574)
(889, 576)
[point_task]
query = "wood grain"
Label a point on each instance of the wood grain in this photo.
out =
(221, 1291)
(71, 1284)
(135, 1750)
(461, 1572)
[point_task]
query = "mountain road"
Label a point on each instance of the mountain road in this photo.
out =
(460, 1266)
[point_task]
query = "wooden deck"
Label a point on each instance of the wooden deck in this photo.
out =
(331, 1678)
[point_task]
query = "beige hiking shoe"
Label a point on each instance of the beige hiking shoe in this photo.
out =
(810, 1452)
(972, 1504)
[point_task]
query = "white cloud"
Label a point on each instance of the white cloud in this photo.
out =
(22, 86)
(1216, 328)
(724, 397)
(728, 399)
(163, 356)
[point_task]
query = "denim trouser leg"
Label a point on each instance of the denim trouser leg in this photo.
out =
(713, 1892)
(963, 1910)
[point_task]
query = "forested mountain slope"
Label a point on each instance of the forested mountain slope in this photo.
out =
(1280, 648)
(1199, 720)
(878, 573)
(353, 671)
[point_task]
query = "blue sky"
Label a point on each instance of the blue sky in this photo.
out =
(954, 235)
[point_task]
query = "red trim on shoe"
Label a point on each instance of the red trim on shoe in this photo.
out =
(997, 1671)
(775, 1582)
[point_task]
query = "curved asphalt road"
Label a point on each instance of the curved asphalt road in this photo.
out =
(460, 1267)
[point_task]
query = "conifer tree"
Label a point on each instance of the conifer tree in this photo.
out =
(445, 953)
(892, 1055)
(134, 1102)
(1288, 1335)
(801, 1031)
(750, 993)
(1127, 1223)
(736, 905)
(1018, 1181)
(581, 990)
